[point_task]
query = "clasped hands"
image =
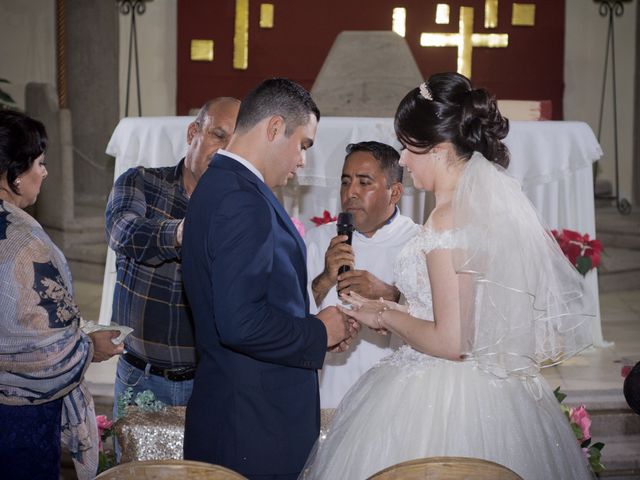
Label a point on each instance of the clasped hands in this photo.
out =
(341, 330)
(368, 312)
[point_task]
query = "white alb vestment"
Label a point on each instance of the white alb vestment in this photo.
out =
(376, 255)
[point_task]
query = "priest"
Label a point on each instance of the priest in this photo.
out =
(371, 187)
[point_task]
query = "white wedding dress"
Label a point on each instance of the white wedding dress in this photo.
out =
(412, 405)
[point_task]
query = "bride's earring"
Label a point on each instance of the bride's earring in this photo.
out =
(16, 182)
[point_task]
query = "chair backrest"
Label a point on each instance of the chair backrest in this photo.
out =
(446, 468)
(169, 470)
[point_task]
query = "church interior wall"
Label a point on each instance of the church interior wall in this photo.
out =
(27, 45)
(28, 54)
(156, 31)
(585, 46)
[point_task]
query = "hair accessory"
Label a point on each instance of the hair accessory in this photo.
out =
(425, 91)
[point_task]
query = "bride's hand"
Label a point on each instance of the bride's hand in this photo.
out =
(354, 299)
(367, 311)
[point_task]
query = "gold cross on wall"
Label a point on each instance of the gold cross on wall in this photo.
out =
(465, 40)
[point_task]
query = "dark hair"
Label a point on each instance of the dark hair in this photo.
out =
(632, 388)
(387, 156)
(277, 96)
(22, 140)
(468, 118)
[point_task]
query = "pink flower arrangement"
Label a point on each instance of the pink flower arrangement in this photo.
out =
(580, 423)
(580, 417)
(299, 225)
(582, 252)
(106, 458)
(104, 425)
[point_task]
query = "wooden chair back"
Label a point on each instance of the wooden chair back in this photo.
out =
(169, 470)
(446, 468)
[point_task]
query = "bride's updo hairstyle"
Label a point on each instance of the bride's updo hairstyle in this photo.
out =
(447, 108)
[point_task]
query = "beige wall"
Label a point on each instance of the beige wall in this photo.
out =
(27, 52)
(585, 42)
(157, 32)
(27, 45)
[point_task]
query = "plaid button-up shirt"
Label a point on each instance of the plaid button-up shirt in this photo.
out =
(144, 210)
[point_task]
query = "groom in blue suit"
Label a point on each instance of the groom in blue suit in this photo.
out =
(255, 406)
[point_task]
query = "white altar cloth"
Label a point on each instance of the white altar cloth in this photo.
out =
(552, 160)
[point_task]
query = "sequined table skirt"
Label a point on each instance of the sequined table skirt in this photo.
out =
(151, 435)
(160, 435)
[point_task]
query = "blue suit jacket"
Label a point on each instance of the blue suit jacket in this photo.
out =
(255, 405)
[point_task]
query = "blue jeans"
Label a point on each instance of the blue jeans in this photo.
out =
(167, 391)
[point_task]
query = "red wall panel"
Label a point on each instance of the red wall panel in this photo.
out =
(530, 68)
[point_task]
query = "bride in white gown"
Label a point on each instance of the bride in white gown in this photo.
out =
(490, 300)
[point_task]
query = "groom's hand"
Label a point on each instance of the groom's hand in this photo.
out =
(338, 327)
(343, 346)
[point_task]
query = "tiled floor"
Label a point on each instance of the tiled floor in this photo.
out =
(595, 369)
(600, 368)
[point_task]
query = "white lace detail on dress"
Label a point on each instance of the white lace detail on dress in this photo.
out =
(411, 268)
(413, 281)
(406, 358)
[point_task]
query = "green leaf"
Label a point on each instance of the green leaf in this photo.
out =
(559, 395)
(586, 443)
(576, 431)
(4, 80)
(594, 460)
(123, 401)
(147, 402)
(5, 97)
(598, 446)
(102, 462)
(595, 465)
(583, 264)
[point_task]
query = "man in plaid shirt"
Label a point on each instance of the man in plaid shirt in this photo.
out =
(144, 221)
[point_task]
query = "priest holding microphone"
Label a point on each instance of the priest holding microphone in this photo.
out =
(357, 254)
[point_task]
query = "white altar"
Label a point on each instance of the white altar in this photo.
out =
(552, 160)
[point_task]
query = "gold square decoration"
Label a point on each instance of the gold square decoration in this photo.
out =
(442, 14)
(201, 50)
(523, 15)
(266, 15)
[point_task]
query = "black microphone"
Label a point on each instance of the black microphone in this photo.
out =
(345, 227)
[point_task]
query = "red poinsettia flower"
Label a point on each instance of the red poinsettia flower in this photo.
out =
(583, 253)
(594, 249)
(325, 218)
(572, 251)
